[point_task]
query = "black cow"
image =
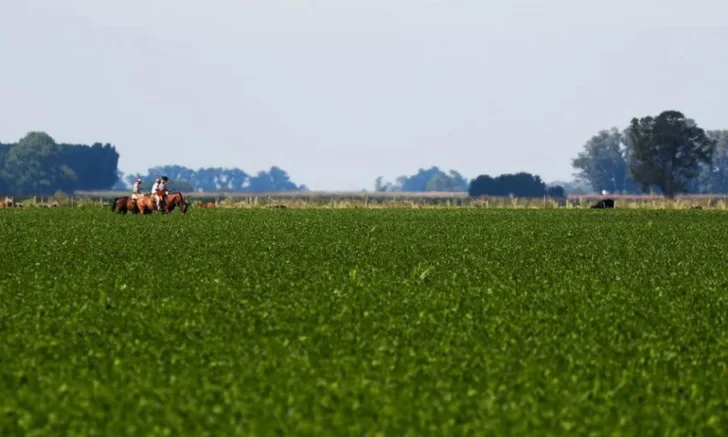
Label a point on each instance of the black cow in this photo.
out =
(604, 203)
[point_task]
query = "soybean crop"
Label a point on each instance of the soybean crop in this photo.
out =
(364, 322)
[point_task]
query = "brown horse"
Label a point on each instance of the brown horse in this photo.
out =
(147, 205)
(124, 204)
(176, 200)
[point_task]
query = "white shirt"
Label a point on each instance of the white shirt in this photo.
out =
(136, 187)
(155, 187)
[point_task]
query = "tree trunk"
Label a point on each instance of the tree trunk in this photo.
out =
(668, 191)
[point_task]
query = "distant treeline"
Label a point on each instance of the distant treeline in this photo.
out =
(218, 179)
(37, 165)
(666, 154)
(519, 184)
(433, 179)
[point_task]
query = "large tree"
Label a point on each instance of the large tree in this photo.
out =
(95, 166)
(519, 184)
(35, 166)
(667, 151)
(276, 179)
(602, 163)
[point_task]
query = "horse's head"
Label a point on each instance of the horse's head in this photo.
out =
(177, 200)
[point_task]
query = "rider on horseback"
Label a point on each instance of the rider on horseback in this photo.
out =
(159, 190)
(136, 190)
(155, 193)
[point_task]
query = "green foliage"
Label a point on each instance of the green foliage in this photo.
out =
(519, 184)
(667, 151)
(5, 187)
(556, 191)
(37, 165)
(713, 177)
(221, 179)
(95, 165)
(432, 179)
(606, 156)
(32, 166)
(603, 162)
(358, 322)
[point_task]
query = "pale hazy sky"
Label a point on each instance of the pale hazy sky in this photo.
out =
(339, 92)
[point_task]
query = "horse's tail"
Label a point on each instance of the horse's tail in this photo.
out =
(113, 204)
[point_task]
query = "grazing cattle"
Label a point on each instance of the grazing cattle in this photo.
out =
(8, 203)
(604, 203)
(697, 207)
(208, 205)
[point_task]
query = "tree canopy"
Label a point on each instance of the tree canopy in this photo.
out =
(667, 152)
(37, 165)
(713, 177)
(603, 162)
(220, 179)
(432, 179)
(608, 155)
(519, 184)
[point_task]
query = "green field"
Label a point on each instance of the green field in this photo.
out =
(364, 322)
